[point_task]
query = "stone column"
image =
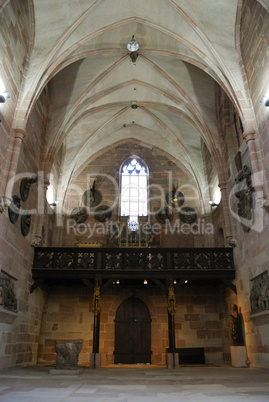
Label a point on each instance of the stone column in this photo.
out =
(259, 179)
(209, 237)
(255, 162)
(37, 238)
(12, 168)
(43, 184)
(231, 241)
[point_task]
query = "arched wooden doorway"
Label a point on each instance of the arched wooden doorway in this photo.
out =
(132, 332)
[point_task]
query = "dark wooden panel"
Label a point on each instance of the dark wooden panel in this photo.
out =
(190, 355)
(132, 332)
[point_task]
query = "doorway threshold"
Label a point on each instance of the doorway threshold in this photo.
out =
(134, 366)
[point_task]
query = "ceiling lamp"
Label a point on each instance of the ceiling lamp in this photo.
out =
(4, 96)
(133, 47)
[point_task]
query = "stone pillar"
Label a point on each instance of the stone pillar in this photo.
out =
(37, 238)
(209, 237)
(258, 177)
(43, 184)
(19, 134)
(12, 165)
(231, 241)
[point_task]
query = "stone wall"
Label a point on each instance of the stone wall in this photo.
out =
(254, 49)
(19, 331)
(19, 338)
(252, 253)
(163, 173)
(200, 321)
(13, 49)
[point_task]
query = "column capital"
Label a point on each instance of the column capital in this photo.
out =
(249, 136)
(45, 182)
(19, 133)
(222, 185)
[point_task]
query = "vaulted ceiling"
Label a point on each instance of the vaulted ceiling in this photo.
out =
(186, 47)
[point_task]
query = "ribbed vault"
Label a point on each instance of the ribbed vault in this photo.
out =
(186, 49)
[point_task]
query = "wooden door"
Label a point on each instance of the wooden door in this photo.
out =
(132, 332)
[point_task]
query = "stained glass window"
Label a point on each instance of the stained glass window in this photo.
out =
(134, 181)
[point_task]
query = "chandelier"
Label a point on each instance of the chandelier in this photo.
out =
(133, 47)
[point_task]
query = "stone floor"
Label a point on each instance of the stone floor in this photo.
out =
(136, 383)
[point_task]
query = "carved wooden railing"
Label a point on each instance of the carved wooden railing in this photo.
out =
(105, 260)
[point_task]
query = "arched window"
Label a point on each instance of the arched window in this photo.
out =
(134, 189)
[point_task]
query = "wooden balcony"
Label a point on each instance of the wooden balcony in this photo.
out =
(132, 263)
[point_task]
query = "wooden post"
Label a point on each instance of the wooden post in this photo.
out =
(171, 307)
(95, 360)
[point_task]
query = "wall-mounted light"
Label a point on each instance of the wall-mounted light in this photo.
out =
(265, 101)
(4, 96)
(54, 204)
(133, 47)
(145, 282)
(213, 204)
(186, 281)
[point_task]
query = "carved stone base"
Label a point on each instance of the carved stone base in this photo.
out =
(95, 360)
(172, 360)
(239, 356)
(67, 353)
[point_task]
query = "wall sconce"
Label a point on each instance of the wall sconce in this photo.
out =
(54, 204)
(4, 96)
(265, 101)
(213, 204)
(145, 282)
(133, 47)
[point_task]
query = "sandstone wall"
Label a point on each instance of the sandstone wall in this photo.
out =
(163, 173)
(252, 254)
(19, 330)
(68, 315)
(14, 43)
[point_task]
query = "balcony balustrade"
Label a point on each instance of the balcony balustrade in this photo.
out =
(109, 263)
